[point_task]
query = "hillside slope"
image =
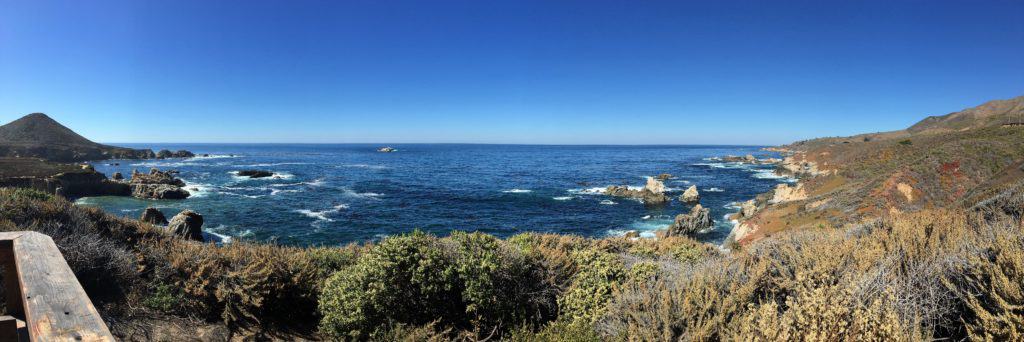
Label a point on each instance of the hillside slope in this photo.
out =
(954, 160)
(39, 136)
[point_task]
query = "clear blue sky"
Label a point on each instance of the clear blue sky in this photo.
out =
(589, 71)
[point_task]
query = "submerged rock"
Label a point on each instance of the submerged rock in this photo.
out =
(698, 219)
(255, 173)
(153, 216)
(187, 225)
(690, 195)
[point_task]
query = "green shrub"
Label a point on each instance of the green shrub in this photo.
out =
(405, 279)
(598, 275)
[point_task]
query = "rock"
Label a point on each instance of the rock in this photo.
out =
(749, 159)
(786, 193)
(153, 216)
(644, 195)
(164, 154)
(88, 168)
(663, 176)
(255, 173)
(158, 191)
(698, 219)
(387, 149)
(187, 225)
(632, 234)
(690, 195)
(654, 185)
(748, 209)
(155, 176)
(117, 176)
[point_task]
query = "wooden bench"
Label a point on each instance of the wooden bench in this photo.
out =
(42, 291)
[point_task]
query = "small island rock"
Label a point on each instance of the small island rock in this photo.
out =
(698, 219)
(255, 173)
(690, 195)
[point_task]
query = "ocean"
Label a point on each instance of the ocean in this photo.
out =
(342, 193)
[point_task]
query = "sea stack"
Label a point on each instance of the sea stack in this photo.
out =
(698, 219)
(690, 195)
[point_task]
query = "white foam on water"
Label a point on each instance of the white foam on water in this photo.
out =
(239, 195)
(770, 174)
(363, 195)
(366, 166)
(213, 156)
(275, 175)
(608, 202)
(517, 191)
(732, 206)
(322, 214)
(278, 191)
(271, 164)
(562, 198)
(588, 191)
(713, 190)
(198, 189)
(165, 164)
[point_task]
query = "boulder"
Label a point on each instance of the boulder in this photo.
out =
(749, 159)
(155, 176)
(187, 225)
(164, 154)
(690, 195)
(663, 176)
(153, 216)
(699, 218)
(255, 173)
(117, 176)
(158, 191)
(632, 234)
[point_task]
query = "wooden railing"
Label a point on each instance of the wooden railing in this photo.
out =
(45, 302)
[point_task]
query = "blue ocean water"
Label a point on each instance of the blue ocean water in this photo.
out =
(337, 194)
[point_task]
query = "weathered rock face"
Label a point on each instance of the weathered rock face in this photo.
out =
(698, 219)
(153, 216)
(159, 191)
(645, 195)
(255, 173)
(654, 185)
(690, 195)
(786, 193)
(155, 177)
(748, 209)
(187, 225)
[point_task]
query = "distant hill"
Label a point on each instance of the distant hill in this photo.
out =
(989, 114)
(38, 136)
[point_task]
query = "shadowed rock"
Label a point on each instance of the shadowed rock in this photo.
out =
(153, 216)
(187, 225)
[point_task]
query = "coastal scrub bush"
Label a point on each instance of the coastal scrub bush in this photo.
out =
(598, 275)
(405, 279)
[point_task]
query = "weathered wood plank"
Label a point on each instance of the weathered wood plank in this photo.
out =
(55, 305)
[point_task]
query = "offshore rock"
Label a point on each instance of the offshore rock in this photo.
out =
(187, 225)
(698, 219)
(690, 195)
(255, 173)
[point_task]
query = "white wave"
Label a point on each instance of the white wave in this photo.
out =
(165, 164)
(681, 181)
(275, 175)
(322, 214)
(278, 191)
(608, 202)
(198, 189)
(517, 191)
(242, 195)
(646, 217)
(770, 174)
(732, 206)
(366, 166)
(562, 198)
(589, 191)
(213, 156)
(713, 190)
(271, 164)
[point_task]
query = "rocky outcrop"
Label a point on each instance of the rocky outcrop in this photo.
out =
(187, 225)
(663, 176)
(153, 216)
(157, 185)
(748, 209)
(164, 154)
(117, 176)
(690, 195)
(255, 173)
(699, 218)
(653, 193)
(786, 193)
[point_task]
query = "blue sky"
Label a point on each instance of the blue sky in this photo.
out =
(561, 72)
